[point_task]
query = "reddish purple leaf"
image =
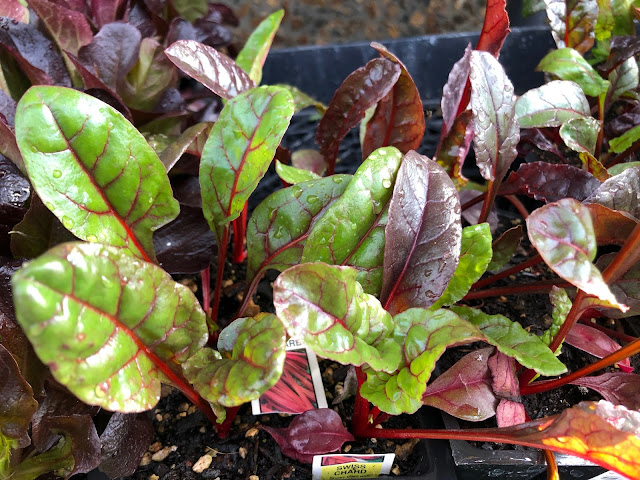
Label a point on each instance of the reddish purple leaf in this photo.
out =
(17, 404)
(510, 413)
(572, 22)
(309, 159)
(596, 343)
(314, 432)
(36, 55)
(619, 388)
(464, 390)
(399, 118)
(455, 96)
(69, 28)
(453, 147)
(213, 69)
(8, 145)
(495, 28)
(503, 373)
(621, 123)
(360, 91)
(612, 227)
(14, 9)
(422, 236)
(536, 137)
(550, 182)
(112, 53)
(124, 442)
(622, 48)
(105, 11)
(621, 192)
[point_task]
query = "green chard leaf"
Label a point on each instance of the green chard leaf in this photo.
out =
(551, 105)
(252, 56)
(561, 305)
(249, 361)
(293, 175)
(325, 307)
(352, 230)
(475, 255)
(109, 326)
(581, 134)
(624, 141)
(568, 64)
(93, 169)
(624, 78)
(424, 335)
(239, 150)
(302, 100)
(513, 340)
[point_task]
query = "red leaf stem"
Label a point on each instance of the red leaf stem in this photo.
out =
(531, 288)
(535, 260)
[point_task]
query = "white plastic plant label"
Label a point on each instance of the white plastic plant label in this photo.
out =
(300, 387)
(344, 466)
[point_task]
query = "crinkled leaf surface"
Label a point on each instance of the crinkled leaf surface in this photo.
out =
(360, 91)
(550, 182)
(293, 175)
(453, 92)
(509, 413)
(69, 28)
(325, 307)
(252, 56)
(619, 388)
(464, 390)
(475, 255)
(124, 441)
(581, 134)
(596, 343)
(568, 64)
(504, 248)
(93, 169)
(551, 105)
(213, 69)
(17, 404)
(513, 340)
(280, 225)
(422, 237)
(109, 326)
(561, 306)
(573, 22)
(624, 78)
(249, 362)
(424, 335)
(504, 381)
(621, 192)
(624, 141)
(493, 105)
(240, 148)
(351, 232)
(314, 432)
(399, 118)
(563, 234)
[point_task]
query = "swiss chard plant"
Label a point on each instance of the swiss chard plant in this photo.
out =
(379, 268)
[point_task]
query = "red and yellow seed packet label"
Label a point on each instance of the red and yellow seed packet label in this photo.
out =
(343, 466)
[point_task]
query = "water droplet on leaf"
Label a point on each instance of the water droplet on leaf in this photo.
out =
(67, 222)
(297, 191)
(337, 180)
(57, 174)
(50, 206)
(386, 183)
(312, 199)
(92, 238)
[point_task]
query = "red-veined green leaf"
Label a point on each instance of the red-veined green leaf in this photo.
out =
(551, 105)
(568, 64)
(109, 326)
(573, 22)
(69, 28)
(293, 175)
(581, 134)
(93, 169)
(252, 56)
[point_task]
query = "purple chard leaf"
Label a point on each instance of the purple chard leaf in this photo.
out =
(103, 12)
(595, 342)
(213, 69)
(360, 91)
(454, 147)
(619, 388)
(453, 92)
(563, 234)
(510, 410)
(93, 169)
(314, 432)
(422, 236)
(464, 390)
(504, 248)
(69, 28)
(621, 192)
(399, 118)
(252, 56)
(124, 441)
(15, 9)
(97, 301)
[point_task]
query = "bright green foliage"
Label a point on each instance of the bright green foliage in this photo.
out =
(252, 56)
(293, 175)
(551, 105)
(93, 169)
(624, 141)
(561, 306)
(581, 134)
(568, 64)
(109, 326)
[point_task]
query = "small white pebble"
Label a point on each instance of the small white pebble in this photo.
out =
(203, 463)
(164, 453)
(243, 452)
(252, 432)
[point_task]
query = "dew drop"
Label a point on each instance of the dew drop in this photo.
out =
(278, 233)
(92, 238)
(382, 151)
(386, 183)
(271, 213)
(377, 207)
(110, 125)
(57, 174)
(337, 180)
(67, 222)
(297, 191)
(33, 148)
(312, 199)
(50, 206)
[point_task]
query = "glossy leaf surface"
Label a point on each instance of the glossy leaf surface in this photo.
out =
(619, 388)
(620, 192)
(352, 232)
(360, 91)
(69, 28)
(249, 362)
(325, 307)
(513, 340)
(475, 255)
(424, 335)
(464, 390)
(624, 78)
(624, 141)
(252, 56)
(504, 248)
(495, 27)
(563, 234)
(454, 147)
(213, 69)
(581, 134)
(93, 169)
(124, 442)
(314, 432)
(596, 343)
(422, 237)
(551, 105)
(279, 226)
(110, 327)
(573, 22)
(293, 175)
(453, 98)
(399, 118)
(239, 150)
(493, 105)
(568, 64)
